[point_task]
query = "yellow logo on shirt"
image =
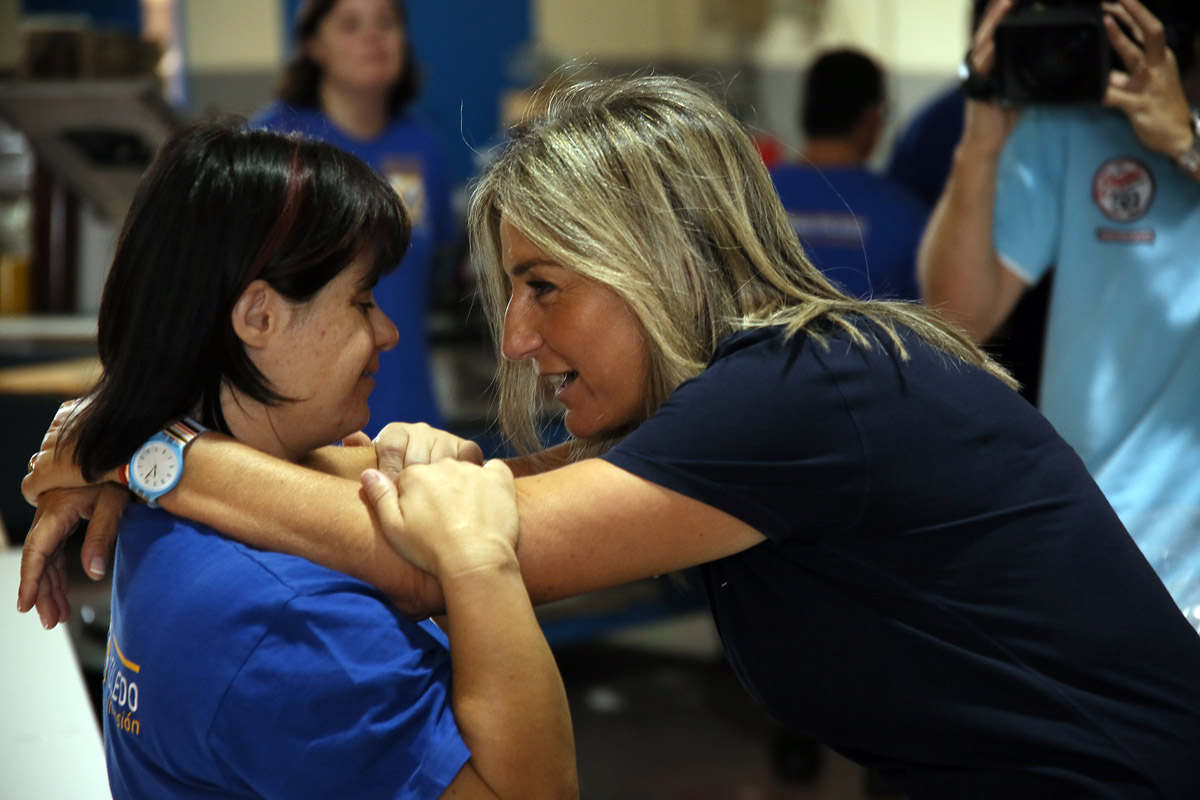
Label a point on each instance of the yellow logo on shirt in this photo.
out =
(121, 694)
(406, 178)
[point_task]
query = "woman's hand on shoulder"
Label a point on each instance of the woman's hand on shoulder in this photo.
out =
(53, 466)
(44, 582)
(450, 517)
(402, 444)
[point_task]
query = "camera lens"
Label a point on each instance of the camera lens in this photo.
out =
(1058, 61)
(1053, 54)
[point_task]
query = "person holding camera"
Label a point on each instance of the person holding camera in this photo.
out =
(1109, 195)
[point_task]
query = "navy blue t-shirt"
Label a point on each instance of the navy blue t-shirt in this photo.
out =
(944, 593)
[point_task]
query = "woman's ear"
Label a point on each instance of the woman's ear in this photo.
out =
(259, 314)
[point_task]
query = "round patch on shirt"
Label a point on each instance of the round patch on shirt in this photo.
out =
(1123, 189)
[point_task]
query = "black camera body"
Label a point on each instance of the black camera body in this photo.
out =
(1058, 52)
(1052, 54)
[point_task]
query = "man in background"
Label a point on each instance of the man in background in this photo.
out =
(859, 228)
(1109, 194)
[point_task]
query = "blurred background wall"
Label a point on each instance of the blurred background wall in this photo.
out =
(112, 64)
(226, 55)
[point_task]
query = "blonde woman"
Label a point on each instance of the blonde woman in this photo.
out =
(902, 557)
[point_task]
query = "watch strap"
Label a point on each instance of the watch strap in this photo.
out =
(184, 430)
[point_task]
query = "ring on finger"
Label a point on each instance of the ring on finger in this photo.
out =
(32, 459)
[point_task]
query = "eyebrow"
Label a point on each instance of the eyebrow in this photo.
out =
(528, 264)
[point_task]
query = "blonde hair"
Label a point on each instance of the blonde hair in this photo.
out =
(649, 186)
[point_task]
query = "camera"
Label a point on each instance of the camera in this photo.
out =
(1051, 52)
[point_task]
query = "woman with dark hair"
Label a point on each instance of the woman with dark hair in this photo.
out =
(351, 83)
(240, 300)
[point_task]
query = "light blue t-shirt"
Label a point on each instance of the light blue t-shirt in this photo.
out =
(1120, 225)
(233, 672)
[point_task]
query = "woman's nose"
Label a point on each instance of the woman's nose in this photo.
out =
(521, 339)
(387, 335)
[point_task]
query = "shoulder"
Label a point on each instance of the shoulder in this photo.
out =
(412, 132)
(758, 381)
(788, 175)
(1050, 127)
(153, 538)
(883, 192)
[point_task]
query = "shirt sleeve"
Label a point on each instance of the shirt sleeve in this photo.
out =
(1029, 194)
(765, 435)
(341, 698)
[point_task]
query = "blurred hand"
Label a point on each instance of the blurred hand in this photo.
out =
(357, 439)
(402, 444)
(450, 517)
(1150, 91)
(44, 581)
(988, 123)
(53, 466)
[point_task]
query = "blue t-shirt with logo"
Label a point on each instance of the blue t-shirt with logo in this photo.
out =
(410, 157)
(860, 229)
(233, 672)
(1121, 374)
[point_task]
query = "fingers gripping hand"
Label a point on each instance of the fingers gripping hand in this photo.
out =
(357, 439)
(988, 124)
(43, 566)
(53, 467)
(449, 517)
(402, 444)
(1150, 91)
(101, 536)
(983, 41)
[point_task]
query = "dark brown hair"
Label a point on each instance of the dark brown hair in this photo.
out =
(302, 76)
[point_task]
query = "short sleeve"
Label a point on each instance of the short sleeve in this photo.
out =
(341, 698)
(1029, 194)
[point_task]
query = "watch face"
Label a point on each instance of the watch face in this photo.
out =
(155, 466)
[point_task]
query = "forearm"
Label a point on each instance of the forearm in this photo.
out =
(542, 461)
(958, 268)
(509, 701)
(273, 505)
(344, 462)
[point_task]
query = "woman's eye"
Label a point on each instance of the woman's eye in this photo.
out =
(541, 287)
(365, 307)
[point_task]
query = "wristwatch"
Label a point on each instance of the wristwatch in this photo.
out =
(1189, 160)
(157, 465)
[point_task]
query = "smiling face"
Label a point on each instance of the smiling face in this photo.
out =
(360, 45)
(586, 343)
(322, 355)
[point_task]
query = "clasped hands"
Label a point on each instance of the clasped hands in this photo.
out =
(449, 492)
